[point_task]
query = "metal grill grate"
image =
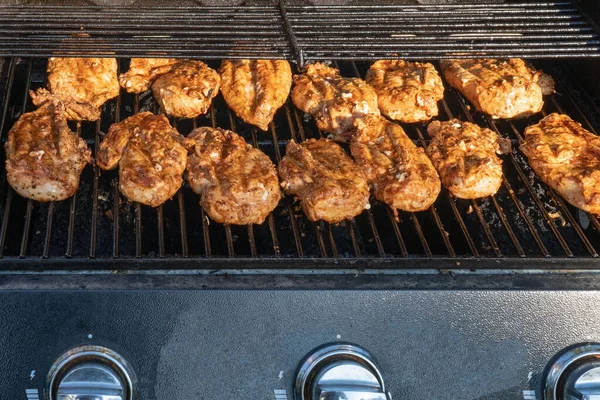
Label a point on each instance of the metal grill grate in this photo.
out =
(524, 222)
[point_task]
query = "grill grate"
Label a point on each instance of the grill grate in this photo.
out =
(523, 221)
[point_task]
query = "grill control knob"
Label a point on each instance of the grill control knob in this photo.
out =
(91, 373)
(340, 371)
(575, 374)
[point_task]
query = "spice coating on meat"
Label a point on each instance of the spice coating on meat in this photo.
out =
(44, 158)
(332, 100)
(406, 91)
(143, 72)
(187, 90)
(567, 158)
(83, 85)
(150, 155)
(500, 88)
(464, 155)
(255, 89)
(328, 183)
(237, 183)
(400, 173)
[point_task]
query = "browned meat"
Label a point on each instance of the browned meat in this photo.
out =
(406, 91)
(237, 183)
(44, 158)
(187, 91)
(83, 85)
(328, 183)
(333, 101)
(500, 88)
(465, 156)
(567, 158)
(255, 89)
(399, 172)
(150, 155)
(143, 72)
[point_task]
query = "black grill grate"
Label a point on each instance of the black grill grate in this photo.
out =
(98, 226)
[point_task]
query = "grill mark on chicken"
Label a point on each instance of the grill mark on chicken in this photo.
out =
(144, 71)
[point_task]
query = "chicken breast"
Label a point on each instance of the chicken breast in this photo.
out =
(237, 183)
(330, 186)
(255, 89)
(567, 158)
(83, 85)
(400, 173)
(464, 154)
(187, 91)
(151, 157)
(406, 91)
(144, 71)
(333, 101)
(44, 158)
(500, 88)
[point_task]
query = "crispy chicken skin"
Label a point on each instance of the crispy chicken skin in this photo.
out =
(464, 154)
(567, 158)
(143, 72)
(255, 89)
(44, 158)
(333, 101)
(150, 155)
(81, 84)
(400, 173)
(328, 183)
(406, 91)
(187, 90)
(500, 88)
(237, 183)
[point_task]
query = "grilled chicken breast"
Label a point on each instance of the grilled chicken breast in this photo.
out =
(406, 91)
(333, 101)
(400, 173)
(328, 183)
(500, 88)
(143, 72)
(83, 85)
(151, 157)
(567, 158)
(187, 90)
(465, 156)
(255, 89)
(44, 158)
(237, 183)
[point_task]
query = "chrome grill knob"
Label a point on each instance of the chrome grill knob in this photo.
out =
(575, 374)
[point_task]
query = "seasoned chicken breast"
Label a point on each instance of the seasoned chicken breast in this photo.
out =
(83, 85)
(465, 156)
(400, 173)
(567, 158)
(328, 183)
(44, 158)
(237, 183)
(187, 90)
(500, 88)
(150, 154)
(255, 89)
(406, 91)
(333, 101)
(144, 71)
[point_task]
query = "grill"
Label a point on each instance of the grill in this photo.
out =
(525, 222)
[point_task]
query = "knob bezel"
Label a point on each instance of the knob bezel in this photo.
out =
(565, 361)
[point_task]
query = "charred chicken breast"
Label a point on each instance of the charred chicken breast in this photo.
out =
(237, 183)
(255, 89)
(143, 72)
(567, 158)
(464, 154)
(328, 183)
(44, 158)
(150, 155)
(406, 91)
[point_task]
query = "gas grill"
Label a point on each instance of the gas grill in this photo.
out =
(511, 278)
